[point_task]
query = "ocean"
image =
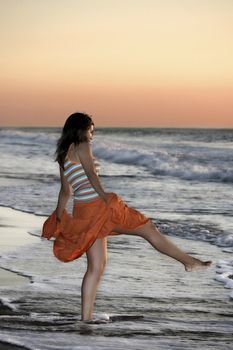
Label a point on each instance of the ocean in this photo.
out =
(182, 179)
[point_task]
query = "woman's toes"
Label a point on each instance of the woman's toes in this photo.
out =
(197, 264)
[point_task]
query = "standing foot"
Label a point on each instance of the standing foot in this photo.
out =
(101, 318)
(197, 264)
(96, 321)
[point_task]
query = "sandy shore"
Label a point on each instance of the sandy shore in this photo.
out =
(14, 225)
(171, 299)
(10, 279)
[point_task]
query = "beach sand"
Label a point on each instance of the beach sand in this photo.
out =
(13, 233)
(215, 309)
(14, 225)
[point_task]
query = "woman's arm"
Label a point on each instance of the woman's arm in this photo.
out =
(64, 195)
(86, 158)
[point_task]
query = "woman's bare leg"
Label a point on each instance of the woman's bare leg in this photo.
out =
(151, 233)
(96, 260)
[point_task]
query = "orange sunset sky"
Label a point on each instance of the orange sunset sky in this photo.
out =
(126, 62)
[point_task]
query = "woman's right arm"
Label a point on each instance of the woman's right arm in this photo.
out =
(86, 158)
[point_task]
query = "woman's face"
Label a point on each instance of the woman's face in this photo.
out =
(90, 132)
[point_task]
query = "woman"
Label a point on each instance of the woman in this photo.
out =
(96, 214)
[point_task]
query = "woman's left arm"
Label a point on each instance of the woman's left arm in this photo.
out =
(64, 195)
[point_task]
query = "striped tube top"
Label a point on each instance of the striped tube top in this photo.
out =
(83, 190)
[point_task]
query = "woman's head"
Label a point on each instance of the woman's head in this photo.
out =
(78, 128)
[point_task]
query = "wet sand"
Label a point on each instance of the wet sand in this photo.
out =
(8, 346)
(13, 233)
(167, 302)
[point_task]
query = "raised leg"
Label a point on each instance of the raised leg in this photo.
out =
(96, 261)
(161, 243)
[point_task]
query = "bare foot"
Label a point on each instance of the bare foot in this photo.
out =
(95, 321)
(99, 318)
(197, 264)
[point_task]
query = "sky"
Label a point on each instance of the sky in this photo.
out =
(160, 63)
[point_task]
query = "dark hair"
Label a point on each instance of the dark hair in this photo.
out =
(74, 131)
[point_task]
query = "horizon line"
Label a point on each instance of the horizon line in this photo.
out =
(120, 127)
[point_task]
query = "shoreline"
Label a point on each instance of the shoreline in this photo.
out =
(14, 227)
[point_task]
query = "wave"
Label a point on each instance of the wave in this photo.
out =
(196, 231)
(28, 137)
(225, 273)
(157, 153)
(175, 134)
(188, 164)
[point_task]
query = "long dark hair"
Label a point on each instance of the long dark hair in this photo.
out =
(74, 131)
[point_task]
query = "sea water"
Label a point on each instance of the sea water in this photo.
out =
(180, 178)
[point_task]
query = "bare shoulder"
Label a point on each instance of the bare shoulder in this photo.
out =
(84, 148)
(84, 152)
(83, 145)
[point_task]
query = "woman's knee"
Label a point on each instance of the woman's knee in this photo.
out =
(147, 230)
(97, 268)
(97, 256)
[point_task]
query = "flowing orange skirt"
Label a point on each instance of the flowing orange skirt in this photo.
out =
(75, 234)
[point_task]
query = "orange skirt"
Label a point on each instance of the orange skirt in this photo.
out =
(75, 234)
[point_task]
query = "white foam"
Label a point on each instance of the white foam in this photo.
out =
(225, 273)
(225, 240)
(228, 250)
(52, 316)
(189, 162)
